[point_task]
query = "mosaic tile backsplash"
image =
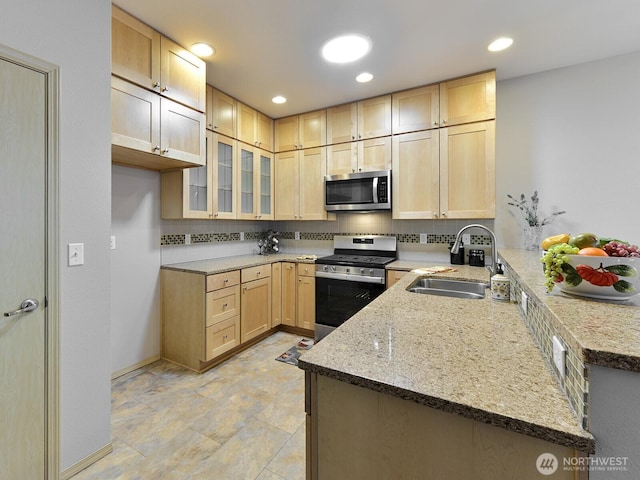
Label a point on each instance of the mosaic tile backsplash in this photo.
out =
(181, 239)
(576, 379)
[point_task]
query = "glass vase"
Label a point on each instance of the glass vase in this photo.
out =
(531, 238)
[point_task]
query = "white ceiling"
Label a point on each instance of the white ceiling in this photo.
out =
(271, 47)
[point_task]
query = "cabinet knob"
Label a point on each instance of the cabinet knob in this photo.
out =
(165, 89)
(156, 148)
(226, 280)
(353, 137)
(442, 122)
(359, 135)
(215, 127)
(225, 305)
(435, 124)
(444, 214)
(156, 85)
(166, 150)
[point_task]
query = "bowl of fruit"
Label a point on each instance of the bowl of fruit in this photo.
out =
(589, 266)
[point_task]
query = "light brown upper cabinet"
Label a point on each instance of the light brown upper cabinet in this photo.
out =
(416, 175)
(445, 173)
(221, 112)
(255, 183)
(468, 99)
(206, 192)
(467, 171)
(299, 189)
(358, 135)
(359, 121)
(254, 127)
(153, 132)
(143, 56)
(307, 130)
(415, 110)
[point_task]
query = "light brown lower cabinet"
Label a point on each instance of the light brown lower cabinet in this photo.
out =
(200, 316)
(204, 317)
(306, 297)
(357, 433)
(255, 302)
(393, 276)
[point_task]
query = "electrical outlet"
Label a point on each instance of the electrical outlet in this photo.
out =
(113, 242)
(525, 299)
(297, 235)
(187, 239)
(242, 236)
(558, 356)
(424, 238)
(76, 254)
(466, 238)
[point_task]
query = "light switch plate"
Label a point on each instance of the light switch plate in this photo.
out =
(113, 242)
(559, 353)
(76, 254)
(466, 238)
(424, 238)
(187, 239)
(297, 235)
(242, 236)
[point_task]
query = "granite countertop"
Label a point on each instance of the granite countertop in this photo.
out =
(474, 358)
(606, 332)
(227, 264)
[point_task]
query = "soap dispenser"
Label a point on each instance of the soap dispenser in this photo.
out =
(500, 285)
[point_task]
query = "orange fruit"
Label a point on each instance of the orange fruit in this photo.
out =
(593, 252)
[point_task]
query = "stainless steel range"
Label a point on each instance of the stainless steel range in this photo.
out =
(351, 278)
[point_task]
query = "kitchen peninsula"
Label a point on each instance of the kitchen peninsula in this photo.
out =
(421, 386)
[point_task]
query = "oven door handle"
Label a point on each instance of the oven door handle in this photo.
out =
(351, 278)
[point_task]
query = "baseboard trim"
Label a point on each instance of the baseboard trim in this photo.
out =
(86, 461)
(136, 366)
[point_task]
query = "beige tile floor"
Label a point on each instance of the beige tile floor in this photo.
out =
(243, 419)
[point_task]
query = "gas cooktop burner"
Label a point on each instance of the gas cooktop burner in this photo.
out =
(355, 260)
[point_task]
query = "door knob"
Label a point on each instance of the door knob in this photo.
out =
(29, 305)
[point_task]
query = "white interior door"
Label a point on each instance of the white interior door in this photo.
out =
(23, 256)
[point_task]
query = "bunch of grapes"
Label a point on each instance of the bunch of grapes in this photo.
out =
(619, 249)
(553, 260)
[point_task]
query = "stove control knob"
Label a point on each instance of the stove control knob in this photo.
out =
(348, 270)
(362, 271)
(371, 272)
(333, 268)
(325, 268)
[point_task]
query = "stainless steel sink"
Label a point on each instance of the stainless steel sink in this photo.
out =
(449, 288)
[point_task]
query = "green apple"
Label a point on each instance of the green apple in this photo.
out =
(584, 240)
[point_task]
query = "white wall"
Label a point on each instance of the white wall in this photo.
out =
(572, 133)
(135, 264)
(75, 34)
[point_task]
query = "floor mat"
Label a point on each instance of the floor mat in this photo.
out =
(291, 356)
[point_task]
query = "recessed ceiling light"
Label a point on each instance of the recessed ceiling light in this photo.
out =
(346, 48)
(202, 49)
(500, 44)
(278, 99)
(364, 77)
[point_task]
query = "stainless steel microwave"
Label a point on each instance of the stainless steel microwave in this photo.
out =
(358, 191)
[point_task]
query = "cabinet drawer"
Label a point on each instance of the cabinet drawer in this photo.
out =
(306, 269)
(221, 337)
(222, 304)
(222, 280)
(254, 273)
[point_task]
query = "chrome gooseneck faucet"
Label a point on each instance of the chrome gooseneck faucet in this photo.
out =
(494, 246)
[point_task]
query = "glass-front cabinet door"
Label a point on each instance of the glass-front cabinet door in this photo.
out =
(247, 187)
(224, 176)
(255, 200)
(265, 209)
